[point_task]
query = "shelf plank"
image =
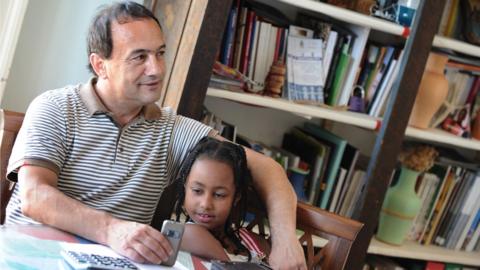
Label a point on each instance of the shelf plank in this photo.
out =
(349, 16)
(416, 251)
(351, 118)
(456, 45)
(441, 136)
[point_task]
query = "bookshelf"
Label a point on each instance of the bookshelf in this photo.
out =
(389, 131)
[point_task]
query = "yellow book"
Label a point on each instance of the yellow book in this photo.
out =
(452, 18)
(439, 207)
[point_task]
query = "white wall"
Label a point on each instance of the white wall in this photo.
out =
(51, 50)
(3, 10)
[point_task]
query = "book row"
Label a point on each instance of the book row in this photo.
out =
(326, 62)
(450, 212)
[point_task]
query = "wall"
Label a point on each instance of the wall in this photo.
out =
(51, 50)
(3, 10)
(256, 123)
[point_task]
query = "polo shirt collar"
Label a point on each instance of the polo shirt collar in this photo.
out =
(94, 104)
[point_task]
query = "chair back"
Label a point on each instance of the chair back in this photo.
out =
(340, 232)
(10, 123)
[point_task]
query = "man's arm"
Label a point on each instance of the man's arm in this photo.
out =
(273, 186)
(43, 202)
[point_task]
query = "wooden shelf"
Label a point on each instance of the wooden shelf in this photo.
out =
(349, 16)
(351, 118)
(416, 251)
(456, 45)
(443, 137)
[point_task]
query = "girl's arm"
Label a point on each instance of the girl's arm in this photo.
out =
(199, 241)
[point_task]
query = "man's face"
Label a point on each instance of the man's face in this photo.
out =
(136, 68)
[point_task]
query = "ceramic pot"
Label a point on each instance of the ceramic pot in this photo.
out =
(400, 207)
(431, 93)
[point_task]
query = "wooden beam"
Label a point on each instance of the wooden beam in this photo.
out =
(391, 134)
(208, 43)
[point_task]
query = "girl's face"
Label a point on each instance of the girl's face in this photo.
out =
(209, 193)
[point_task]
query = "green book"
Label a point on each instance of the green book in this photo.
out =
(340, 74)
(452, 266)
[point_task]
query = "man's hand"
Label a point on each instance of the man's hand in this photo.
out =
(287, 254)
(139, 242)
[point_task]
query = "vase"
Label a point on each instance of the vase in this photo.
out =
(432, 91)
(399, 209)
(297, 178)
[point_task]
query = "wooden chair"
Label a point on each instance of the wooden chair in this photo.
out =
(340, 232)
(10, 123)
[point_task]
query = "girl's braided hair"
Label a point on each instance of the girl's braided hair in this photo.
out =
(234, 156)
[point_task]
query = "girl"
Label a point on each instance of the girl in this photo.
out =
(212, 192)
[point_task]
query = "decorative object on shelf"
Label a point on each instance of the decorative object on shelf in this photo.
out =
(275, 79)
(357, 100)
(432, 91)
(458, 122)
(402, 203)
(406, 11)
(297, 178)
(384, 9)
(364, 6)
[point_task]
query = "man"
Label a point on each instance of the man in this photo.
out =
(94, 159)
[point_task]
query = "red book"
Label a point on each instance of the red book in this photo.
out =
(277, 44)
(434, 266)
(473, 91)
(246, 45)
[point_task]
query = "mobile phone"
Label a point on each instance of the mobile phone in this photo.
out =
(173, 231)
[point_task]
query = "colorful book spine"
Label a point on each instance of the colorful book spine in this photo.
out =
(247, 43)
(227, 54)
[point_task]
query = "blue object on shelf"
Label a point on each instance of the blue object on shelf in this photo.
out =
(297, 178)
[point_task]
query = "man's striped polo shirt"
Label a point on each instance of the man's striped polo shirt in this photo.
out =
(121, 170)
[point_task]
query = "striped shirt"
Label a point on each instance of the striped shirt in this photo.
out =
(120, 170)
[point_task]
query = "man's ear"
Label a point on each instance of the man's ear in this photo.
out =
(98, 65)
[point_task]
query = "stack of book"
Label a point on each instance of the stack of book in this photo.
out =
(325, 60)
(253, 39)
(337, 169)
(451, 210)
(378, 71)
